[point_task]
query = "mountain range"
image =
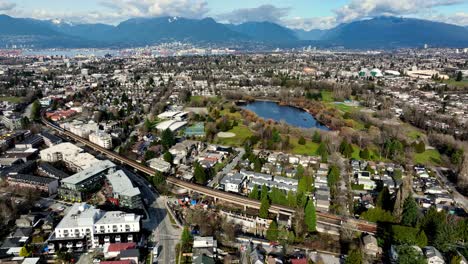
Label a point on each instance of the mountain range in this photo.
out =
(379, 32)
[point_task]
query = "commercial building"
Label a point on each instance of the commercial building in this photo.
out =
(85, 227)
(124, 194)
(78, 186)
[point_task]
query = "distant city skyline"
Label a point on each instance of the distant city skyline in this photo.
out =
(298, 14)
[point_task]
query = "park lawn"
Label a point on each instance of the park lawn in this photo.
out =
(356, 151)
(242, 133)
(226, 112)
(199, 98)
(11, 99)
(345, 108)
(428, 157)
(309, 149)
(327, 96)
(453, 82)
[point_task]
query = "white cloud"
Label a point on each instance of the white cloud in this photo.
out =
(359, 9)
(459, 18)
(310, 23)
(6, 5)
(152, 8)
(262, 13)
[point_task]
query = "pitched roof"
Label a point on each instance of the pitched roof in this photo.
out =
(117, 247)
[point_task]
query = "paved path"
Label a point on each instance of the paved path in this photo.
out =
(228, 168)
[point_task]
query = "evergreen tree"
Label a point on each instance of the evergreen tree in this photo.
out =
(158, 178)
(264, 192)
(254, 194)
(168, 157)
(364, 154)
(264, 207)
(410, 214)
(292, 200)
(302, 185)
(354, 257)
(384, 199)
(35, 111)
(348, 152)
(167, 139)
(272, 232)
(200, 174)
(420, 147)
(301, 141)
(310, 217)
(299, 171)
(409, 255)
(459, 76)
(317, 138)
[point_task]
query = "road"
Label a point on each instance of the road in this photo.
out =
(458, 197)
(159, 222)
(228, 168)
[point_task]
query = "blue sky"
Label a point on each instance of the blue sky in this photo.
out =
(306, 14)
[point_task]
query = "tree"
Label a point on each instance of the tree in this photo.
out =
(322, 151)
(410, 214)
(432, 222)
(25, 251)
(310, 217)
(299, 171)
(264, 192)
(255, 194)
(333, 176)
(159, 179)
(354, 257)
(185, 239)
(447, 238)
(384, 199)
(272, 231)
(364, 154)
(168, 157)
(409, 255)
(317, 138)
(406, 235)
(459, 76)
(377, 215)
(199, 174)
(420, 147)
(35, 111)
(301, 141)
(292, 200)
(167, 139)
(264, 207)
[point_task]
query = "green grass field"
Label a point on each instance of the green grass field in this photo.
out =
(199, 98)
(308, 149)
(452, 82)
(327, 96)
(11, 99)
(242, 133)
(429, 157)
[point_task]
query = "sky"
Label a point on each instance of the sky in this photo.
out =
(297, 14)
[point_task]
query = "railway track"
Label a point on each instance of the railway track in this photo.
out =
(332, 219)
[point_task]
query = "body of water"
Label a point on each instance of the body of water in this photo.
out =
(291, 115)
(70, 53)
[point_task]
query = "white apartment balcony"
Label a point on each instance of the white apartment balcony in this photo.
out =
(69, 245)
(117, 239)
(130, 238)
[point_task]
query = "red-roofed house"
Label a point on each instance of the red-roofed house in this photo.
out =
(113, 250)
(118, 262)
(299, 261)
